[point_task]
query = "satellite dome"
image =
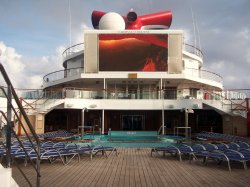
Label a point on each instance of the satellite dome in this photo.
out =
(112, 21)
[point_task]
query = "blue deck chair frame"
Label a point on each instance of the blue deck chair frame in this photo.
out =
(50, 155)
(171, 149)
(228, 156)
(94, 150)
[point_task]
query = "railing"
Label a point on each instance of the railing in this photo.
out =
(203, 74)
(170, 94)
(26, 93)
(30, 94)
(80, 47)
(194, 50)
(61, 74)
(9, 123)
(119, 93)
(73, 49)
(236, 94)
(238, 104)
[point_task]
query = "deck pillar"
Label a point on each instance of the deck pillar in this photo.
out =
(102, 121)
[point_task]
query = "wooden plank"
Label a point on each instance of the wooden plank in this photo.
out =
(111, 170)
(135, 167)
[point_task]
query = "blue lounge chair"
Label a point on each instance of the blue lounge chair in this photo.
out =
(168, 149)
(222, 146)
(233, 146)
(50, 155)
(59, 145)
(210, 147)
(47, 145)
(188, 150)
(71, 146)
(94, 150)
(227, 155)
(2, 153)
(243, 145)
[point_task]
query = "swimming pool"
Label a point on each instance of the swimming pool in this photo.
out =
(145, 139)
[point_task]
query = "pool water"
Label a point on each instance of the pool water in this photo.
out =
(136, 140)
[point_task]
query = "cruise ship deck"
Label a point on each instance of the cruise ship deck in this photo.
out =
(135, 167)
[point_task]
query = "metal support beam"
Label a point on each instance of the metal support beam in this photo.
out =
(8, 127)
(82, 126)
(102, 121)
(162, 111)
(186, 122)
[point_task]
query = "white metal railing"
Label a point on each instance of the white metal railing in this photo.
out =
(192, 49)
(80, 47)
(61, 74)
(73, 49)
(203, 74)
(170, 94)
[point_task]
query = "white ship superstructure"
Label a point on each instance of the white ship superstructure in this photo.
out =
(143, 79)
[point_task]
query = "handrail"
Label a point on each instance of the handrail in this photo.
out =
(12, 91)
(18, 118)
(60, 74)
(204, 74)
(80, 47)
(72, 49)
(25, 151)
(192, 49)
(7, 80)
(160, 129)
(232, 103)
(118, 93)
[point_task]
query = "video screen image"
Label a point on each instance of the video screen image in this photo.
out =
(133, 52)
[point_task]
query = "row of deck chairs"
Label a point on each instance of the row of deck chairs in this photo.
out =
(219, 136)
(52, 151)
(239, 152)
(89, 149)
(28, 153)
(56, 135)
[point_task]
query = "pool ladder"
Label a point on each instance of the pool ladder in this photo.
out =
(160, 130)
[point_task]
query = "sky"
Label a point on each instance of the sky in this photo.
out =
(34, 33)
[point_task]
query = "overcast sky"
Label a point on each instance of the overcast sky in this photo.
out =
(34, 33)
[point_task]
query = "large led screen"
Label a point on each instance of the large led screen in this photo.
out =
(133, 52)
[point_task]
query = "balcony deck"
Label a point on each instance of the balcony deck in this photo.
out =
(135, 167)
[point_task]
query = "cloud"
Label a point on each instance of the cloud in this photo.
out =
(12, 62)
(244, 33)
(27, 72)
(78, 33)
(218, 65)
(248, 56)
(40, 66)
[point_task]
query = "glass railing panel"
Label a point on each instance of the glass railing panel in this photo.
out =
(203, 74)
(141, 94)
(61, 74)
(170, 94)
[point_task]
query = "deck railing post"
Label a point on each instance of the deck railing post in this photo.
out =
(8, 127)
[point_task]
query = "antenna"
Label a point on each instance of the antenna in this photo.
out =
(191, 9)
(70, 44)
(195, 28)
(199, 38)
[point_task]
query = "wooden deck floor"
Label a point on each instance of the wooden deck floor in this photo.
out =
(135, 167)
